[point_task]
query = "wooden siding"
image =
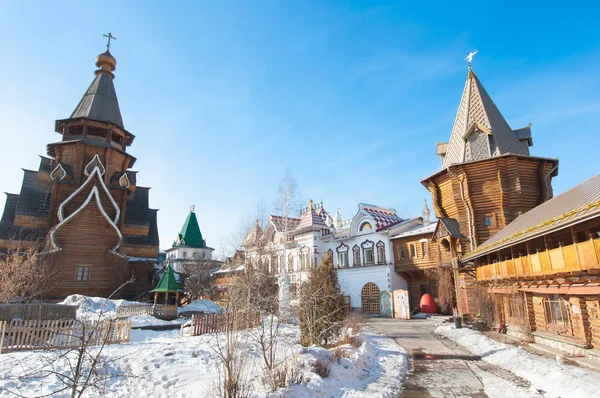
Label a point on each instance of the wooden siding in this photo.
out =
(501, 188)
(582, 256)
(85, 241)
(418, 262)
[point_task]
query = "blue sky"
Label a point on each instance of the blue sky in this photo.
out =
(350, 96)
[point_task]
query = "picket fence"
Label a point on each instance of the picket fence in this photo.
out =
(37, 311)
(19, 335)
(215, 323)
(160, 311)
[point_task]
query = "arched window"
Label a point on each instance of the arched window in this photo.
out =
(380, 252)
(330, 253)
(304, 258)
(368, 254)
(342, 255)
(366, 226)
(356, 256)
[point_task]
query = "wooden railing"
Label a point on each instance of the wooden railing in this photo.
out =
(21, 335)
(575, 257)
(159, 311)
(215, 323)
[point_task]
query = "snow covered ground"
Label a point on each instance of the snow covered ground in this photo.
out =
(547, 377)
(161, 364)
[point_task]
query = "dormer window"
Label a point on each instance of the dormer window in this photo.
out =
(366, 226)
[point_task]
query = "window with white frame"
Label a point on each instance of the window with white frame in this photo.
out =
(424, 251)
(413, 250)
(342, 255)
(368, 252)
(356, 256)
(83, 274)
(380, 252)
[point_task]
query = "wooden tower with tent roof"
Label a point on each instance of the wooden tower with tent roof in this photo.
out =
(488, 176)
(85, 203)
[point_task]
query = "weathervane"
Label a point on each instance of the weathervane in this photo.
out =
(109, 37)
(192, 208)
(470, 55)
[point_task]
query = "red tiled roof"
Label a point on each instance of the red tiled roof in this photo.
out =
(383, 217)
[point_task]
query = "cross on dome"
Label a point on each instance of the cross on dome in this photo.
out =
(110, 36)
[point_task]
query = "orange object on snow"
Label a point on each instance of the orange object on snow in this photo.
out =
(427, 304)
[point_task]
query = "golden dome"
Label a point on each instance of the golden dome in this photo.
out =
(106, 63)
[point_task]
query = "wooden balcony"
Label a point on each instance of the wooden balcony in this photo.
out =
(576, 257)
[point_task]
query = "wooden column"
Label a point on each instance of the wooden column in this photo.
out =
(177, 299)
(155, 297)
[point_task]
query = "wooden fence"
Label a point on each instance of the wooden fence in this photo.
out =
(167, 312)
(37, 311)
(215, 323)
(21, 335)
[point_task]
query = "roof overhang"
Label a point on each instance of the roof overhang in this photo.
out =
(507, 155)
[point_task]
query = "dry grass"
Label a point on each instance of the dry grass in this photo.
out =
(340, 352)
(356, 321)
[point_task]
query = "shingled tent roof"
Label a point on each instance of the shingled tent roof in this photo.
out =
(100, 100)
(480, 131)
(167, 283)
(190, 234)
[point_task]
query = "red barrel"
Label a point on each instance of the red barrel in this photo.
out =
(427, 304)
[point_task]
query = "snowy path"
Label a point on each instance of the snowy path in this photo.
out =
(442, 368)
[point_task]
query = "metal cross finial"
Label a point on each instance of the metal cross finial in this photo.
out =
(109, 37)
(470, 55)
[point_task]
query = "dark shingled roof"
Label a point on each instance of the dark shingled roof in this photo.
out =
(152, 238)
(45, 164)
(136, 211)
(34, 199)
(100, 102)
(452, 226)
(9, 208)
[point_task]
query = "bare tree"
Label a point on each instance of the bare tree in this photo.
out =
(198, 279)
(237, 238)
(228, 346)
(26, 273)
(287, 204)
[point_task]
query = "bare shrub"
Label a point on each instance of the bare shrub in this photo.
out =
(26, 274)
(340, 352)
(487, 308)
(442, 275)
(356, 322)
(322, 367)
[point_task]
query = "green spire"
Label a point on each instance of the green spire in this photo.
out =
(190, 234)
(167, 283)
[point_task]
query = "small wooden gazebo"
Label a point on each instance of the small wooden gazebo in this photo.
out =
(167, 285)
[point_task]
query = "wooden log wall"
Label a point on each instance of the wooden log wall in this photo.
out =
(593, 312)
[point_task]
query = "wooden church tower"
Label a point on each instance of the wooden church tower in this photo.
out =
(488, 176)
(84, 201)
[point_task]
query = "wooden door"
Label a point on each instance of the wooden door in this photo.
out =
(369, 297)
